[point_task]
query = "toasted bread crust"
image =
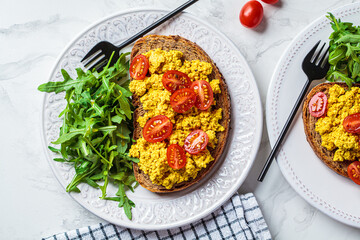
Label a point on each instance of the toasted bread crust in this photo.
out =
(314, 138)
(191, 51)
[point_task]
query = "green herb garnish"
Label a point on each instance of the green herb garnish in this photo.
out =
(344, 52)
(97, 127)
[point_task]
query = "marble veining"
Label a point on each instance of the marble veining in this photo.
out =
(28, 27)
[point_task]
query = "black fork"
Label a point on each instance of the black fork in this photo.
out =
(314, 69)
(100, 54)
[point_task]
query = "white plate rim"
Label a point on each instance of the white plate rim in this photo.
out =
(307, 195)
(257, 137)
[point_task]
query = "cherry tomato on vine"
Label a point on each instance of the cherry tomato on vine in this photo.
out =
(251, 14)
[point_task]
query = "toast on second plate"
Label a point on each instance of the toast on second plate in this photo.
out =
(314, 138)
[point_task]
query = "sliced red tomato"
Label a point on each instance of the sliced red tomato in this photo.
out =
(182, 100)
(251, 14)
(354, 171)
(351, 123)
(174, 80)
(176, 156)
(196, 141)
(139, 67)
(157, 129)
(318, 104)
(204, 94)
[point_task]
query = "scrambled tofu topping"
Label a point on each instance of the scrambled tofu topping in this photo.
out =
(155, 100)
(341, 103)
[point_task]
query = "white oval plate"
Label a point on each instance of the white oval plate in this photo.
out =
(163, 211)
(331, 193)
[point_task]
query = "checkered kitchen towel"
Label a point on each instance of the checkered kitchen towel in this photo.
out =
(238, 218)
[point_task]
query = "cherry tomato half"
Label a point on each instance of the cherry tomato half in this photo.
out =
(354, 171)
(157, 129)
(174, 80)
(139, 67)
(176, 156)
(318, 104)
(196, 141)
(251, 14)
(182, 100)
(351, 123)
(204, 94)
(270, 1)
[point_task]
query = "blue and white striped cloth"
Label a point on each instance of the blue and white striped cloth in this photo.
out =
(238, 218)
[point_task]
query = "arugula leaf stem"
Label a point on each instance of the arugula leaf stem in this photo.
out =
(96, 151)
(78, 178)
(107, 128)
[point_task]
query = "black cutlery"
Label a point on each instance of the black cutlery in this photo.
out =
(314, 69)
(100, 54)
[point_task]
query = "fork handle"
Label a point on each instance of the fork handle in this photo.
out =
(157, 23)
(284, 131)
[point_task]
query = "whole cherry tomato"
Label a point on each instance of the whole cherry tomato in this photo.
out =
(251, 14)
(270, 1)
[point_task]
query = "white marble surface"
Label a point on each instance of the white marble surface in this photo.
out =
(33, 33)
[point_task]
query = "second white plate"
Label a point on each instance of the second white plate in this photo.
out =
(314, 181)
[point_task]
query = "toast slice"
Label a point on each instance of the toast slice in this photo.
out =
(314, 138)
(191, 51)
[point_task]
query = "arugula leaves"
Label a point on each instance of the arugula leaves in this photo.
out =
(344, 52)
(97, 127)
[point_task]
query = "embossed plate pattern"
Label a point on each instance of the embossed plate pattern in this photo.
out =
(314, 181)
(154, 211)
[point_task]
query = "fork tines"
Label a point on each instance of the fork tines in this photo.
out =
(319, 57)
